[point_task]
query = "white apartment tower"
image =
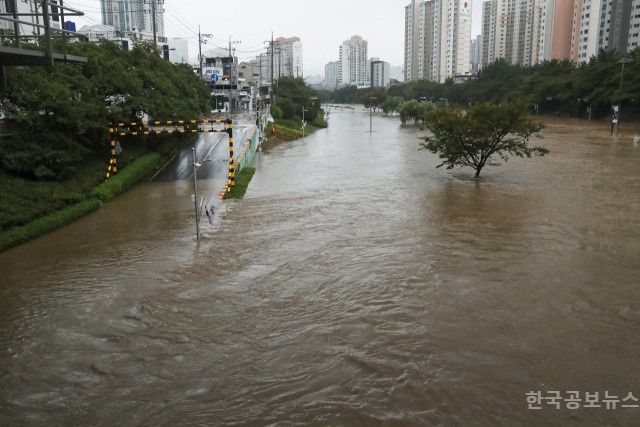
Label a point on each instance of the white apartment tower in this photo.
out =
(437, 36)
(353, 62)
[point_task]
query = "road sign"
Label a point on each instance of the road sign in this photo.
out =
(215, 77)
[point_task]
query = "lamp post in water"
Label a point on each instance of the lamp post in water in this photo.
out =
(304, 124)
(371, 99)
(619, 113)
(196, 165)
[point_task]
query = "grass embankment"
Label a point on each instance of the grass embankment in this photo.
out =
(289, 130)
(242, 183)
(35, 208)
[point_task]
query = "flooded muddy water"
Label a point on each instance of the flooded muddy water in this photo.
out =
(355, 284)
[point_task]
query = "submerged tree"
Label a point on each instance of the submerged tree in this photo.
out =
(474, 137)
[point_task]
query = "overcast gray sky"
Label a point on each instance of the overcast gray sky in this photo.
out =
(321, 25)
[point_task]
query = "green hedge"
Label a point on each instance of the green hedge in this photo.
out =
(47, 224)
(142, 168)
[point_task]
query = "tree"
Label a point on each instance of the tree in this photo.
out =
(391, 104)
(474, 137)
(292, 95)
(372, 98)
(415, 110)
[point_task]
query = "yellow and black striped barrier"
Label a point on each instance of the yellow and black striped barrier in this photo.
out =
(169, 127)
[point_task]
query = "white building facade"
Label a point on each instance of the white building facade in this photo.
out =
(353, 62)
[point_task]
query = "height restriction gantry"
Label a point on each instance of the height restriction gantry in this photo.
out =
(170, 127)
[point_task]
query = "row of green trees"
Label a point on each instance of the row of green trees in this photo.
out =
(552, 87)
(58, 116)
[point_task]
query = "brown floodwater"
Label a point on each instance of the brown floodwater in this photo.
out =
(355, 284)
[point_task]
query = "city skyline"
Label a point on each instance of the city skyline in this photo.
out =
(316, 30)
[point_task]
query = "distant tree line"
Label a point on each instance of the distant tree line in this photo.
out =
(552, 87)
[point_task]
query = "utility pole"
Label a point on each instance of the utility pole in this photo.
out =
(16, 24)
(272, 49)
(153, 18)
(47, 30)
(199, 51)
(201, 40)
(623, 61)
(232, 71)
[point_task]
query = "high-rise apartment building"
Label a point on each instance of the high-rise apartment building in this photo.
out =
(353, 62)
(512, 30)
(133, 15)
(531, 31)
(417, 42)
(437, 35)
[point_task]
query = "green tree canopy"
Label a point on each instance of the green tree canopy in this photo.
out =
(475, 137)
(60, 114)
(292, 95)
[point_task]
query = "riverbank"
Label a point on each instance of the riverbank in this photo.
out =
(283, 131)
(31, 209)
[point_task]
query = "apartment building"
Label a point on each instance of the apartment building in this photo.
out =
(437, 36)
(353, 62)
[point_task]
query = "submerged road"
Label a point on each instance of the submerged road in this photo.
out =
(355, 284)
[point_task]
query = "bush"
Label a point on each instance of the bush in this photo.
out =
(51, 155)
(276, 112)
(47, 224)
(320, 122)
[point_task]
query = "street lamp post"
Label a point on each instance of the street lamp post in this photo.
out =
(196, 165)
(371, 99)
(623, 61)
(195, 193)
(303, 123)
